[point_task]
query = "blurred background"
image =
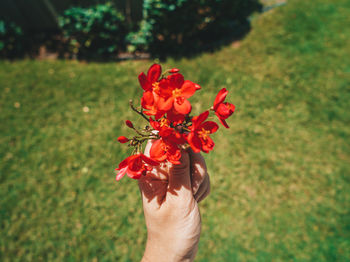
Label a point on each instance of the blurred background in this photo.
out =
(280, 174)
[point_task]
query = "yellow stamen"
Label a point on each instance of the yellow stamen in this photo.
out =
(203, 134)
(155, 87)
(176, 92)
(164, 122)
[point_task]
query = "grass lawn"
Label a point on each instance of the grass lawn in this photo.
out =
(280, 175)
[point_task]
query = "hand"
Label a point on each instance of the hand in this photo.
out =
(170, 195)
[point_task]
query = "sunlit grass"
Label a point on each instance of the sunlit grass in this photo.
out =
(280, 174)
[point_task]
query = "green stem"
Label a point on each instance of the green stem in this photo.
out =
(137, 111)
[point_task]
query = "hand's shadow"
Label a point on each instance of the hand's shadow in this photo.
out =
(158, 184)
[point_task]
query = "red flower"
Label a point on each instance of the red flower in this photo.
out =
(175, 94)
(149, 100)
(175, 117)
(149, 82)
(166, 132)
(135, 166)
(164, 149)
(123, 139)
(199, 137)
(223, 109)
(161, 124)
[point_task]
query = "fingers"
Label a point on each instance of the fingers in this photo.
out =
(198, 170)
(199, 177)
(179, 175)
(158, 172)
(188, 177)
(167, 178)
(154, 185)
(203, 190)
(148, 147)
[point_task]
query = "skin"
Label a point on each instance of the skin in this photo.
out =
(170, 196)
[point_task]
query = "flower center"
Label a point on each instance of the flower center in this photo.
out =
(155, 87)
(165, 148)
(176, 92)
(203, 134)
(164, 122)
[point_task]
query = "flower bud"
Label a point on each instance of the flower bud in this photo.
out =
(129, 124)
(123, 139)
(174, 70)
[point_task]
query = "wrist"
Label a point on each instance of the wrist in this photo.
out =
(167, 249)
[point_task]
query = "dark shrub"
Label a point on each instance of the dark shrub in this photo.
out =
(95, 32)
(182, 27)
(11, 40)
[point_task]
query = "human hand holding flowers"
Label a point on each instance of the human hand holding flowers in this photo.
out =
(170, 196)
(172, 173)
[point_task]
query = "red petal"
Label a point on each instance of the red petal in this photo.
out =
(164, 89)
(149, 160)
(175, 117)
(121, 173)
(174, 154)
(154, 124)
(225, 110)
(165, 132)
(220, 97)
(150, 112)
(154, 73)
(123, 164)
(147, 99)
(197, 120)
(222, 121)
(157, 151)
(210, 126)
(135, 163)
(184, 107)
(134, 175)
(194, 142)
(176, 80)
(159, 114)
(208, 145)
(174, 161)
(188, 89)
(143, 82)
(165, 105)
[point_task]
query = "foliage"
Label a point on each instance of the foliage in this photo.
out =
(280, 175)
(11, 40)
(139, 40)
(98, 31)
(183, 27)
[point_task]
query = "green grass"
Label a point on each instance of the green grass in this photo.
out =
(280, 174)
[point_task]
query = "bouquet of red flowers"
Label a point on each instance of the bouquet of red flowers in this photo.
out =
(165, 105)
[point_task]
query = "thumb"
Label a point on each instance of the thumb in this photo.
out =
(179, 175)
